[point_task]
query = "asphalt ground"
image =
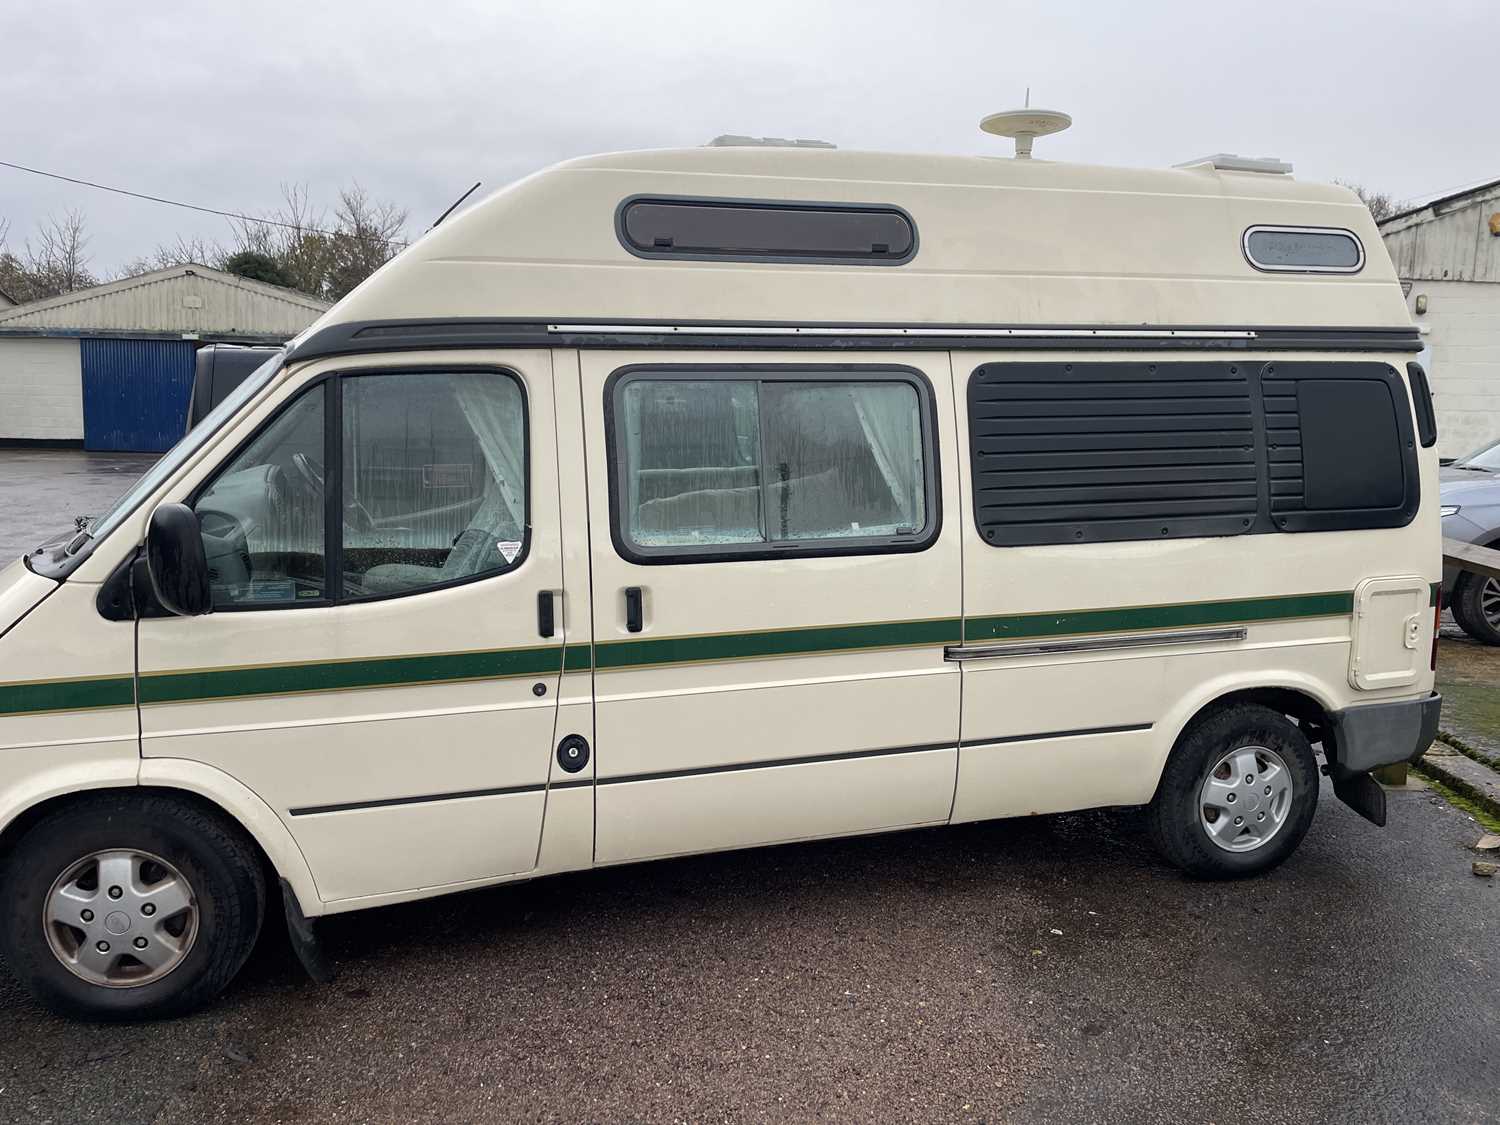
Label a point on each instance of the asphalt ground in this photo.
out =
(42, 490)
(1044, 969)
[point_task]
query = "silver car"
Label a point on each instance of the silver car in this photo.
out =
(1471, 512)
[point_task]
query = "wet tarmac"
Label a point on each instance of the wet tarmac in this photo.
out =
(1049, 969)
(1046, 969)
(42, 490)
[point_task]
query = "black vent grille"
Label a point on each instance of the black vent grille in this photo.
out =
(1099, 452)
(1283, 443)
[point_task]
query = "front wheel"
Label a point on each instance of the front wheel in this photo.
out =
(129, 907)
(1237, 795)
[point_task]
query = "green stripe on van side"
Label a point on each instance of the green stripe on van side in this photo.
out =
(1181, 615)
(343, 675)
(777, 642)
(456, 667)
(66, 695)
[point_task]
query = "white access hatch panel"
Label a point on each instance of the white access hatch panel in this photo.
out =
(1390, 642)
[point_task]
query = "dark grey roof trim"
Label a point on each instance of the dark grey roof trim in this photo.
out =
(607, 333)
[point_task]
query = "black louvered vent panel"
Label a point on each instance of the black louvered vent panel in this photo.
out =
(1283, 442)
(1097, 452)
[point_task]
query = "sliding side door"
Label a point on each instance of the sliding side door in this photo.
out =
(775, 577)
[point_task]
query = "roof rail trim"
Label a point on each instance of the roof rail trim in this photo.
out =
(355, 337)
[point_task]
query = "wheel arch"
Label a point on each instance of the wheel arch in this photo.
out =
(1298, 696)
(199, 784)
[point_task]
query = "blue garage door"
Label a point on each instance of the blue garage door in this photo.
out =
(135, 393)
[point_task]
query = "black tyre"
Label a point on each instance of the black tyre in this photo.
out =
(123, 906)
(1237, 795)
(1476, 607)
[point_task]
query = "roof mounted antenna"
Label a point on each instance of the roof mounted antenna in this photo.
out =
(1025, 125)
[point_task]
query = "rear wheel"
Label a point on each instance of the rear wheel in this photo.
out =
(1476, 607)
(1237, 795)
(130, 907)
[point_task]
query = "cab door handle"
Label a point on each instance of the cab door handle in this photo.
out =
(633, 621)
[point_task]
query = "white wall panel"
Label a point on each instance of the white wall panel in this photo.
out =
(41, 389)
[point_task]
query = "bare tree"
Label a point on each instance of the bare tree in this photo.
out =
(1381, 204)
(61, 253)
(325, 258)
(183, 252)
(53, 262)
(368, 235)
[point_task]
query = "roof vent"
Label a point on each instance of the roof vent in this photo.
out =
(735, 140)
(1229, 162)
(1025, 125)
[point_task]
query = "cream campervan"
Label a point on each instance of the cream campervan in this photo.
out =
(676, 501)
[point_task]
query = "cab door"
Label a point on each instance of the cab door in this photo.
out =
(375, 667)
(774, 581)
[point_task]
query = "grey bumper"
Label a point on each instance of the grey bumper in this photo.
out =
(1382, 734)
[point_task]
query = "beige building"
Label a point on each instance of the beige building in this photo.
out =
(1447, 254)
(110, 367)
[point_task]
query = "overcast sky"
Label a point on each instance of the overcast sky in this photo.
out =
(220, 104)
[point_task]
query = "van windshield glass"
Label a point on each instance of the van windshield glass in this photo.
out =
(191, 442)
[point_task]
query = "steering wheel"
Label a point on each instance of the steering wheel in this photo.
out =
(311, 472)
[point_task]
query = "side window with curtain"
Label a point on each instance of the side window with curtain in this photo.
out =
(744, 464)
(433, 479)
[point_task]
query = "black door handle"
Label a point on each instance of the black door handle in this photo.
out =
(546, 619)
(633, 623)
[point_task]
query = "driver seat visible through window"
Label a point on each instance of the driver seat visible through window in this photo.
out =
(431, 483)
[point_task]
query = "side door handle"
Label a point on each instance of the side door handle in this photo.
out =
(546, 616)
(633, 620)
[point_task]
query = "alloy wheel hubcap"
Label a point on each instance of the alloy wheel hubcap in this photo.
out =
(1245, 799)
(1489, 601)
(121, 919)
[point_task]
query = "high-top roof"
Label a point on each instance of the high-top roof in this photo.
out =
(999, 241)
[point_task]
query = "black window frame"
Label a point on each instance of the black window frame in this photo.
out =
(787, 257)
(1266, 518)
(332, 385)
(1263, 267)
(815, 374)
(1354, 519)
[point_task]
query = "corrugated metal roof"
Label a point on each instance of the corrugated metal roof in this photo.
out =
(1437, 205)
(186, 301)
(1450, 239)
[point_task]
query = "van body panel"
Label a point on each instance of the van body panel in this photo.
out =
(395, 705)
(775, 804)
(999, 241)
(254, 815)
(69, 678)
(1293, 595)
(752, 662)
(20, 591)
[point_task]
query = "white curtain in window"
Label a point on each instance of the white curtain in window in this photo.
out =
(888, 416)
(492, 407)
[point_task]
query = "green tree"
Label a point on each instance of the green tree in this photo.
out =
(258, 267)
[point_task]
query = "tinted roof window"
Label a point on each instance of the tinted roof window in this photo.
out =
(740, 230)
(1304, 249)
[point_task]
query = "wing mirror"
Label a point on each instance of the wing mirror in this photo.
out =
(176, 561)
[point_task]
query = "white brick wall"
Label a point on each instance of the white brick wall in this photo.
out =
(1463, 318)
(41, 389)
